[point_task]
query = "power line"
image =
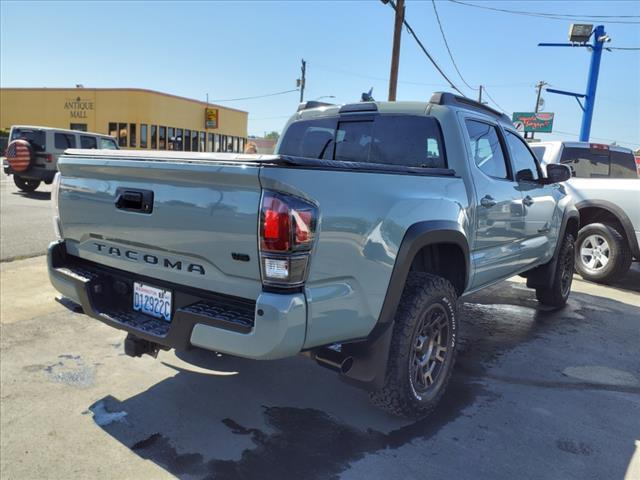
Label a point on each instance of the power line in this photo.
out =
(622, 48)
(446, 44)
(552, 16)
(426, 52)
(598, 138)
(494, 102)
(257, 96)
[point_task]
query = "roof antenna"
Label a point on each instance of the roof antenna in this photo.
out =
(367, 96)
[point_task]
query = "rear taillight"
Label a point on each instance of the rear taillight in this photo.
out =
(55, 205)
(48, 158)
(287, 231)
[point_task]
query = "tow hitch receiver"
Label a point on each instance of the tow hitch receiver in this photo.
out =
(136, 347)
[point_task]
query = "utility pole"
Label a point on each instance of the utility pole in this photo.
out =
(303, 69)
(480, 94)
(395, 52)
(540, 85)
(578, 38)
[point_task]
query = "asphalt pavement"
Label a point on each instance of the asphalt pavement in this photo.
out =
(25, 222)
(537, 393)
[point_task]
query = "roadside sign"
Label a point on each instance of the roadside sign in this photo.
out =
(533, 122)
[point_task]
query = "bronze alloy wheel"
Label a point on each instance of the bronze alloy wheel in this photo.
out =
(430, 349)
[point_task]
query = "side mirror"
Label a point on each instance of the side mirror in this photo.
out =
(524, 175)
(557, 173)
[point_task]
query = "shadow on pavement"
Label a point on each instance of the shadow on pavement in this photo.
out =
(34, 195)
(292, 419)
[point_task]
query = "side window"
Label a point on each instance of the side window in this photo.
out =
(108, 144)
(88, 142)
(623, 165)
(539, 152)
(63, 141)
(524, 163)
(585, 162)
(353, 141)
(486, 150)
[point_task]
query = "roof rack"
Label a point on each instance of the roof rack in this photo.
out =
(447, 98)
(313, 104)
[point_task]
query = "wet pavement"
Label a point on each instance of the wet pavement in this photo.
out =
(537, 393)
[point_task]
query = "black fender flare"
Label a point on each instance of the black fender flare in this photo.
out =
(370, 356)
(543, 275)
(622, 217)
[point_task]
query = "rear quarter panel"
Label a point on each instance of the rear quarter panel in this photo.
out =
(363, 219)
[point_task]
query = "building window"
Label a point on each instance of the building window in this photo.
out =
(122, 134)
(216, 142)
(154, 137)
(187, 140)
(88, 142)
(133, 140)
(81, 127)
(179, 139)
(143, 135)
(171, 138)
(235, 144)
(202, 142)
(229, 144)
(62, 141)
(194, 141)
(210, 142)
(113, 130)
(162, 142)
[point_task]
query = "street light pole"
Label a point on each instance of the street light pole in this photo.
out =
(395, 52)
(303, 69)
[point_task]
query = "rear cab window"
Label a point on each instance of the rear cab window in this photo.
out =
(623, 165)
(404, 140)
(587, 162)
(37, 138)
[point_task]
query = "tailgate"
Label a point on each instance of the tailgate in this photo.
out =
(200, 229)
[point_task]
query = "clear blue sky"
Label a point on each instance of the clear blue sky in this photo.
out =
(240, 49)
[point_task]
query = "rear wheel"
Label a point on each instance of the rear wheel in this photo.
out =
(602, 253)
(557, 294)
(25, 184)
(423, 347)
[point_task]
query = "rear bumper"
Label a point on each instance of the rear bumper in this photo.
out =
(34, 173)
(273, 326)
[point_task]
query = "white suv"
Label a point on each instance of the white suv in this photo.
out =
(32, 153)
(606, 188)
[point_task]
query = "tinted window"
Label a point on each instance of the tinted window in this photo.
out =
(162, 138)
(623, 165)
(353, 141)
(522, 159)
(407, 140)
(585, 162)
(88, 142)
(539, 151)
(132, 135)
(108, 144)
(154, 137)
(486, 150)
(143, 135)
(309, 138)
(36, 138)
(63, 141)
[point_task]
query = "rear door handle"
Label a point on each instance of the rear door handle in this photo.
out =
(527, 201)
(487, 201)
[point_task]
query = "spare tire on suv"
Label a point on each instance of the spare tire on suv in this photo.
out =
(20, 157)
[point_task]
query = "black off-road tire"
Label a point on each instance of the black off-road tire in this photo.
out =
(558, 293)
(25, 184)
(425, 297)
(619, 254)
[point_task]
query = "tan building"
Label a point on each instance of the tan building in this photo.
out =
(137, 118)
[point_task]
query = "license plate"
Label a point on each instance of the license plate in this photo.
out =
(152, 301)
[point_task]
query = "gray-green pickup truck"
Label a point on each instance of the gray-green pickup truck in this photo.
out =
(352, 244)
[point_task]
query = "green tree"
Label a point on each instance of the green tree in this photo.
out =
(272, 135)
